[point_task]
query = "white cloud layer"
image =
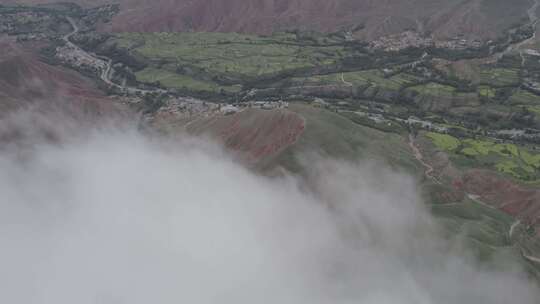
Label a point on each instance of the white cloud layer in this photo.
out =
(116, 217)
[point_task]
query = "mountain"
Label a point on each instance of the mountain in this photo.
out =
(27, 81)
(460, 117)
(473, 19)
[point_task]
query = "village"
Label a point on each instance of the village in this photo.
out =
(79, 59)
(412, 39)
(193, 106)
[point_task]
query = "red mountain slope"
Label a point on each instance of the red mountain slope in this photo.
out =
(24, 80)
(484, 19)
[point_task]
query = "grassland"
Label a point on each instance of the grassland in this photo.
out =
(333, 135)
(484, 231)
(509, 159)
(485, 225)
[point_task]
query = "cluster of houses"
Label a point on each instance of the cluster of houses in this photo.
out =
(78, 58)
(407, 39)
(263, 105)
(458, 43)
(193, 106)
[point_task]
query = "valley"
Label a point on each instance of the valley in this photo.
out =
(460, 114)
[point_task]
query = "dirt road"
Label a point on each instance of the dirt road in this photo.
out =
(418, 155)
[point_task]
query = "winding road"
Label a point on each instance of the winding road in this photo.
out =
(533, 21)
(420, 158)
(344, 81)
(513, 227)
(105, 75)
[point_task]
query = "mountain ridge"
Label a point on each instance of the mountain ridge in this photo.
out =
(367, 19)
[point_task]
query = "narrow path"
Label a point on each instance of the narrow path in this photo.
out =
(531, 258)
(477, 200)
(418, 155)
(513, 227)
(344, 81)
(531, 12)
(510, 231)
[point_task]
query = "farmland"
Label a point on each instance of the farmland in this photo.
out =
(297, 65)
(365, 78)
(173, 80)
(444, 141)
(434, 89)
(510, 159)
(522, 97)
(237, 57)
(499, 77)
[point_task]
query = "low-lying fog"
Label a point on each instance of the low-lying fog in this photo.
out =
(110, 215)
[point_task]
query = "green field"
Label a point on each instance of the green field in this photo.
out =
(444, 141)
(434, 89)
(486, 91)
(375, 78)
(499, 77)
(510, 159)
(170, 79)
(523, 97)
(237, 55)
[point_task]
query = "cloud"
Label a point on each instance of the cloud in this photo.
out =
(110, 215)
